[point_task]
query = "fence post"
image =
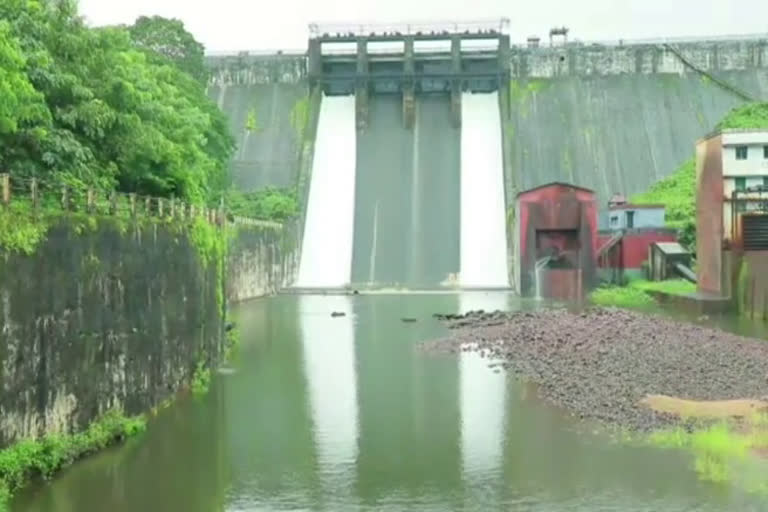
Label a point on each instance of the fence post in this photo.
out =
(65, 198)
(89, 200)
(33, 192)
(112, 202)
(5, 182)
(160, 207)
(192, 211)
(132, 199)
(173, 207)
(147, 206)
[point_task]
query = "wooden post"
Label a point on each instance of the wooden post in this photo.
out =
(5, 182)
(33, 192)
(89, 201)
(147, 205)
(132, 199)
(112, 202)
(160, 207)
(181, 210)
(65, 198)
(192, 211)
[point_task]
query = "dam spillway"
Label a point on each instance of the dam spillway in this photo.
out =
(327, 243)
(429, 200)
(407, 195)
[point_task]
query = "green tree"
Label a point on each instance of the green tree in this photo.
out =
(169, 38)
(112, 113)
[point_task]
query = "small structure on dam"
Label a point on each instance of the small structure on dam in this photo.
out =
(408, 59)
(556, 235)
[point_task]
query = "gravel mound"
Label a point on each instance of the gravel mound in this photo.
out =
(600, 363)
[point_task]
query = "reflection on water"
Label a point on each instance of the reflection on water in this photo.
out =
(342, 414)
(329, 364)
(483, 395)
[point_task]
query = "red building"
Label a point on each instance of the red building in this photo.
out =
(556, 235)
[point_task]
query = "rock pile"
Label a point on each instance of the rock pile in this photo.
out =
(601, 363)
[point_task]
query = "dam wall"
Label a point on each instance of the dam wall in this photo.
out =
(611, 116)
(266, 100)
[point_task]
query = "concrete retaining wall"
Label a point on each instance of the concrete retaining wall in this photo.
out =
(261, 261)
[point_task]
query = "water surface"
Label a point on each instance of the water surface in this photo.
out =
(344, 414)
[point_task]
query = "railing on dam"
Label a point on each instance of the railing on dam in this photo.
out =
(416, 29)
(42, 197)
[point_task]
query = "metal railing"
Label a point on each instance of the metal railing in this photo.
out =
(51, 196)
(497, 26)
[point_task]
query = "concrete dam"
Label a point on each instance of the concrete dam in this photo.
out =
(410, 167)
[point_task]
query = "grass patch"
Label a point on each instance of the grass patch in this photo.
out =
(621, 296)
(725, 451)
(636, 293)
(29, 459)
(671, 286)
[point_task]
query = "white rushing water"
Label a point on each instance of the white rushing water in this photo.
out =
(329, 366)
(326, 254)
(483, 231)
(483, 399)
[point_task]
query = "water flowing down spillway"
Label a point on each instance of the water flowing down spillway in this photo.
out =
(326, 255)
(483, 231)
(407, 195)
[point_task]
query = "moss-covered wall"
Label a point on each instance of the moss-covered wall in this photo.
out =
(105, 314)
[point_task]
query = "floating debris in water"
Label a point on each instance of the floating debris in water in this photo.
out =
(337, 314)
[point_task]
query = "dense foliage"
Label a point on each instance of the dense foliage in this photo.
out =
(677, 192)
(169, 39)
(96, 107)
(268, 203)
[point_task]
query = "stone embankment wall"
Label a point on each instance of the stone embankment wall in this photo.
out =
(109, 313)
(102, 315)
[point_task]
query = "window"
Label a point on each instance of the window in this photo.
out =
(741, 152)
(614, 220)
(765, 181)
(630, 220)
(741, 183)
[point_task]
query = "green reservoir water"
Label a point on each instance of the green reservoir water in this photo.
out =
(343, 414)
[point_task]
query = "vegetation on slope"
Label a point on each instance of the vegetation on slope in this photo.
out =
(751, 115)
(677, 192)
